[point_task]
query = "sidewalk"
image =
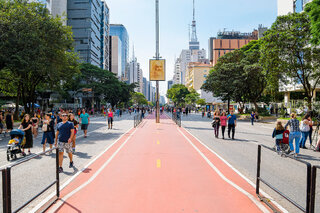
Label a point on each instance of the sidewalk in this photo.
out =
(158, 168)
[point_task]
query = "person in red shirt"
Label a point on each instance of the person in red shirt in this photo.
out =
(110, 118)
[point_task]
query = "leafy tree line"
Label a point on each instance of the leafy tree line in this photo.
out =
(287, 54)
(181, 96)
(37, 54)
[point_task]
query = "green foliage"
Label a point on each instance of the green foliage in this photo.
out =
(238, 75)
(104, 84)
(192, 97)
(139, 99)
(287, 53)
(313, 10)
(177, 93)
(201, 102)
(35, 49)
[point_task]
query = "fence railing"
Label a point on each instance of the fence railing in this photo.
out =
(6, 183)
(259, 179)
(176, 117)
(137, 120)
(313, 188)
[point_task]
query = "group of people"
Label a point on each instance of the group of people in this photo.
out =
(299, 132)
(222, 119)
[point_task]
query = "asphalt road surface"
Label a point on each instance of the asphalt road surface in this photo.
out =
(288, 175)
(31, 177)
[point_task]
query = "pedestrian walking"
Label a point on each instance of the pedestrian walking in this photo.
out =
(65, 133)
(305, 130)
(232, 123)
(252, 116)
(1, 123)
(110, 119)
(26, 126)
(311, 130)
(216, 120)
(72, 119)
(35, 125)
(9, 121)
(48, 132)
(295, 134)
(223, 123)
(85, 121)
(278, 134)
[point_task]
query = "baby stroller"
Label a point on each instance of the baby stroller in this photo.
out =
(284, 143)
(14, 149)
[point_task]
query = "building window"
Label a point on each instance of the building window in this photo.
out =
(205, 76)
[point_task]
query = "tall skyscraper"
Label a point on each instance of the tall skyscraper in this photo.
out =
(193, 54)
(194, 43)
(104, 33)
(120, 31)
(115, 56)
(88, 20)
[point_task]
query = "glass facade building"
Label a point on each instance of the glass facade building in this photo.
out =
(120, 31)
(90, 25)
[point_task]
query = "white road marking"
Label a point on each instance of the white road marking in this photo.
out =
(240, 174)
(250, 196)
(44, 201)
(62, 200)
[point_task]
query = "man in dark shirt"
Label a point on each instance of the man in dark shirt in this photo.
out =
(232, 123)
(65, 133)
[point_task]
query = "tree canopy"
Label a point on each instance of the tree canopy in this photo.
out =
(313, 10)
(177, 93)
(288, 54)
(35, 49)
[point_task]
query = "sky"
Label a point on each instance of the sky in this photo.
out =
(212, 16)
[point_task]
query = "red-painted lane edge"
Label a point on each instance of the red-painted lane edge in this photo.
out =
(133, 183)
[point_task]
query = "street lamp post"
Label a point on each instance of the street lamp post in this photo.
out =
(157, 58)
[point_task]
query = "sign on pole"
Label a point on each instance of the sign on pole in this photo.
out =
(157, 70)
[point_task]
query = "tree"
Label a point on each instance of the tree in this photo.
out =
(35, 49)
(192, 97)
(313, 10)
(226, 78)
(139, 99)
(201, 102)
(288, 54)
(177, 93)
(104, 84)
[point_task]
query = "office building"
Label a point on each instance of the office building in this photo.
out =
(170, 84)
(290, 6)
(227, 41)
(196, 75)
(121, 32)
(115, 56)
(87, 20)
(104, 34)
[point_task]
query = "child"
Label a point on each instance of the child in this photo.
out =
(278, 134)
(14, 141)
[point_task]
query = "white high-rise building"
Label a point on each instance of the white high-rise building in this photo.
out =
(193, 54)
(185, 58)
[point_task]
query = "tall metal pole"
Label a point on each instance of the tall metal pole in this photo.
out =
(157, 58)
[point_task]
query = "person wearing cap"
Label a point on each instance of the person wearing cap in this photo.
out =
(65, 133)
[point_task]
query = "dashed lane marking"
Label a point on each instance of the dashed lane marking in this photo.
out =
(158, 163)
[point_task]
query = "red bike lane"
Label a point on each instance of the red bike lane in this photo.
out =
(158, 168)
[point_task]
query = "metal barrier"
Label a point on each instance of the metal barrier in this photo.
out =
(6, 183)
(176, 117)
(307, 209)
(137, 120)
(313, 188)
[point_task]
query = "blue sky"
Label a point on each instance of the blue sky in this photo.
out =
(138, 16)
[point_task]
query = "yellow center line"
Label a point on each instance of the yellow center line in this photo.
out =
(158, 142)
(158, 163)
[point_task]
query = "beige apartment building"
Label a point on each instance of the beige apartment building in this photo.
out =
(196, 74)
